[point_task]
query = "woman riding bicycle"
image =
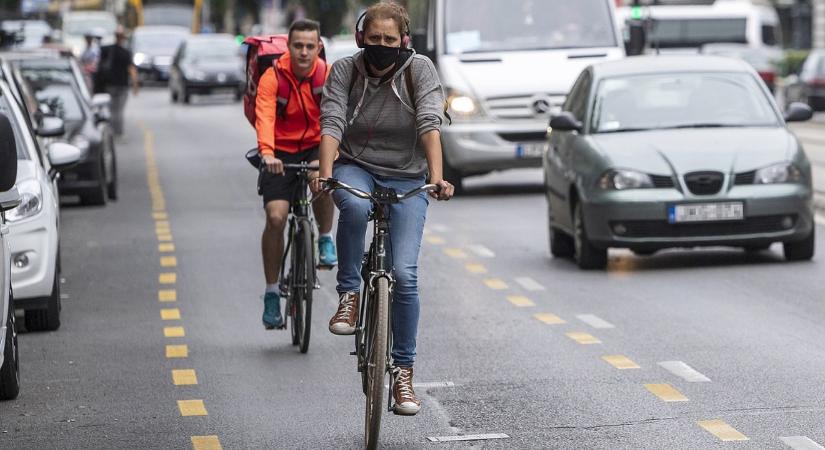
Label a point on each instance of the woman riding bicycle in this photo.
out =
(385, 131)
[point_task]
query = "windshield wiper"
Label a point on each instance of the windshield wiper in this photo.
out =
(624, 130)
(703, 125)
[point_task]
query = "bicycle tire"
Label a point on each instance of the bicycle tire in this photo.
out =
(376, 367)
(306, 283)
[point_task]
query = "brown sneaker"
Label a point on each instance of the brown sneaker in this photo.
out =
(406, 403)
(343, 322)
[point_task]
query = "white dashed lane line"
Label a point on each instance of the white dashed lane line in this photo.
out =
(801, 443)
(439, 228)
(529, 284)
(481, 251)
(595, 321)
(684, 371)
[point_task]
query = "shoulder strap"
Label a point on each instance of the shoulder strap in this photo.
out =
(284, 87)
(410, 85)
(318, 80)
(352, 78)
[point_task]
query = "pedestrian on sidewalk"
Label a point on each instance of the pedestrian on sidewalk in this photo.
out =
(115, 74)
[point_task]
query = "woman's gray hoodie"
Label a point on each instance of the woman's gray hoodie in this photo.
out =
(377, 123)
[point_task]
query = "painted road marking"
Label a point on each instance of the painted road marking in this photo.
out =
(495, 284)
(722, 430)
(684, 371)
(666, 392)
(168, 295)
(177, 351)
(206, 443)
(166, 247)
(595, 321)
(168, 261)
(475, 268)
(184, 377)
(481, 251)
(168, 278)
(192, 408)
(435, 240)
(801, 443)
(529, 284)
(174, 332)
(620, 362)
(170, 314)
(549, 319)
(164, 238)
(520, 301)
(160, 215)
(439, 228)
(162, 224)
(583, 338)
(468, 437)
(455, 253)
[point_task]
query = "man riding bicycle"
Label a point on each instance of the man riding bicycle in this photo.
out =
(382, 112)
(289, 136)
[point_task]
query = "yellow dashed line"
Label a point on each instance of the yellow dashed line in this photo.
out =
(435, 240)
(168, 261)
(620, 362)
(455, 253)
(549, 319)
(520, 301)
(192, 408)
(167, 295)
(666, 392)
(206, 443)
(722, 430)
(475, 268)
(162, 224)
(170, 314)
(164, 238)
(160, 216)
(166, 247)
(583, 338)
(495, 284)
(168, 278)
(184, 377)
(177, 351)
(174, 332)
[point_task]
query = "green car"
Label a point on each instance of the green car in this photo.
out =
(675, 151)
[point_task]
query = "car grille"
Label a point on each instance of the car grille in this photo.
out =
(704, 183)
(520, 107)
(745, 178)
(662, 181)
(664, 229)
(524, 137)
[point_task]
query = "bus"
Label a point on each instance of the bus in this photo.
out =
(184, 13)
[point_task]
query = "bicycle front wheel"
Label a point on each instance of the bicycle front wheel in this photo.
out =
(376, 356)
(306, 283)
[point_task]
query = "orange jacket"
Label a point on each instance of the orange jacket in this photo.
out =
(301, 130)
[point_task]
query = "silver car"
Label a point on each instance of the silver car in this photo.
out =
(675, 151)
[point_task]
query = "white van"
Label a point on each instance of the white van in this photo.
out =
(506, 66)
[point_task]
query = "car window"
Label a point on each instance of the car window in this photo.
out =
(55, 89)
(697, 32)
(681, 100)
(212, 49)
(18, 135)
(577, 100)
(770, 35)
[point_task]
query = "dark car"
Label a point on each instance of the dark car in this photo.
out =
(55, 86)
(809, 85)
(207, 64)
(153, 48)
(763, 59)
(661, 152)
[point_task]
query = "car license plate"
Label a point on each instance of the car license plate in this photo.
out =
(530, 150)
(705, 212)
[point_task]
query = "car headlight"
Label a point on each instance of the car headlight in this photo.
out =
(621, 179)
(140, 59)
(31, 201)
(778, 173)
(462, 105)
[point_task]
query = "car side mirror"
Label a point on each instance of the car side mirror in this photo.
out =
(565, 121)
(63, 156)
(798, 112)
(9, 199)
(51, 126)
(8, 155)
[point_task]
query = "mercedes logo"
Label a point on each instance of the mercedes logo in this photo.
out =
(542, 106)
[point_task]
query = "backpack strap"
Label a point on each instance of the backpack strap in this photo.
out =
(318, 80)
(284, 88)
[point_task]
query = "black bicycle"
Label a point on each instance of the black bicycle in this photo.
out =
(373, 330)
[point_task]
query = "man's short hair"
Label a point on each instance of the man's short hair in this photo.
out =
(305, 25)
(388, 10)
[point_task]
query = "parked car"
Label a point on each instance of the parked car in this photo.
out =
(9, 199)
(31, 32)
(76, 24)
(339, 47)
(207, 64)
(153, 48)
(809, 85)
(763, 60)
(658, 152)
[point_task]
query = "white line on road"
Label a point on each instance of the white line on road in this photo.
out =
(481, 251)
(801, 443)
(529, 284)
(439, 228)
(595, 321)
(684, 371)
(468, 437)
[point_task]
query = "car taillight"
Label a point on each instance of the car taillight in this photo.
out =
(768, 77)
(817, 82)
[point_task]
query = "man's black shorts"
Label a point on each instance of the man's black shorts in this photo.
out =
(282, 187)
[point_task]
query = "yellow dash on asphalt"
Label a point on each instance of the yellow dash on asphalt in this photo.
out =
(177, 351)
(168, 278)
(435, 240)
(722, 430)
(162, 224)
(170, 314)
(166, 247)
(164, 238)
(495, 284)
(583, 338)
(167, 295)
(455, 253)
(206, 443)
(549, 319)
(168, 261)
(475, 268)
(184, 377)
(666, 392)
(160, 216)
(174, 332)
(520, 301)
(192, 408)
(620, 362)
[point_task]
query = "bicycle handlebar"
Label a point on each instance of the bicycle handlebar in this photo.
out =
(301, 166)
(332, 184)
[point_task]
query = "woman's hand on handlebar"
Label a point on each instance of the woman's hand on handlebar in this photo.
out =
(273, 164)
(445, 190)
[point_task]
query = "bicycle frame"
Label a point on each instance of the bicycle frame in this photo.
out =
(299, 210)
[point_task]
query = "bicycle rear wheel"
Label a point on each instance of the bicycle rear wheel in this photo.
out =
(306, 283)
(376, 367)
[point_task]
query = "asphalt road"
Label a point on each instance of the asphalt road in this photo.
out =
(702, 346)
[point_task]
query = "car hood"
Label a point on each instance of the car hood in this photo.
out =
(668, 152)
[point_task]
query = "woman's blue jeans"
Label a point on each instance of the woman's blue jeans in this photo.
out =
(406, 229)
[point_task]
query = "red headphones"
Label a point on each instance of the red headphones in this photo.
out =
(359, 34)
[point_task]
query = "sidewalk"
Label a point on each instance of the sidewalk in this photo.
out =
(812, 135)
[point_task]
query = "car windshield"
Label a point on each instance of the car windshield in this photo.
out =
(80, 26)
(674, 33)
(495, 25)
(158, 42)
(212, 49)
(18, 137)
(168, 15)
(53, 88)
(681, 100)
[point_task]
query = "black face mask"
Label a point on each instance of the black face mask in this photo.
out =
(381, 57)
